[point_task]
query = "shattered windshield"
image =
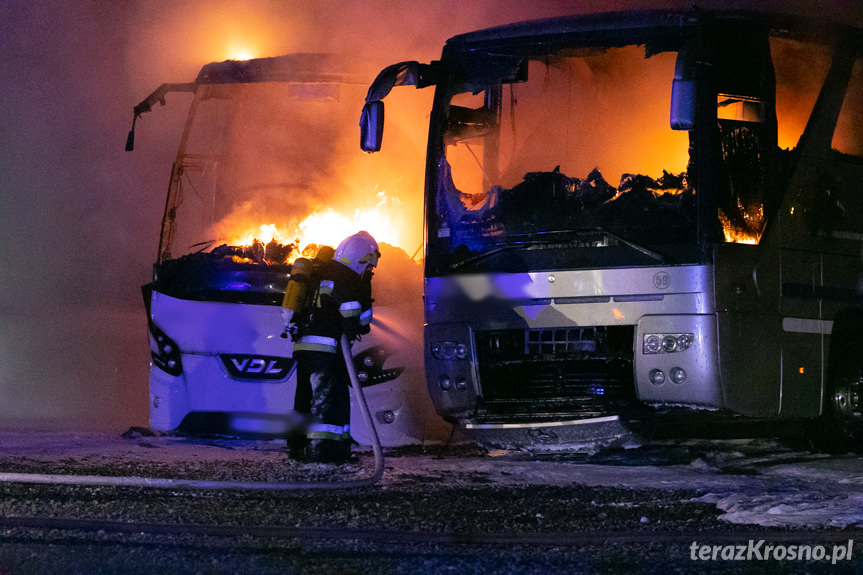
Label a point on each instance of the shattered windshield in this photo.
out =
(573, 165)
(257, 160)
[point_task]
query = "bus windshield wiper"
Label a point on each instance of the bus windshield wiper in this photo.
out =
(551, 235)
(202, 245)
(646, 251)
(517, 241)
(469, 261)
(538, 240)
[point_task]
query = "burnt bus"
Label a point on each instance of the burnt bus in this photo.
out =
(629, 212)
(262, 146)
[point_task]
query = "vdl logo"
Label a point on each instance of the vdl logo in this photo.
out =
(257, 366)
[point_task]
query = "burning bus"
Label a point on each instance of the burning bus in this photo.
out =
(260, 178)
(642, 212)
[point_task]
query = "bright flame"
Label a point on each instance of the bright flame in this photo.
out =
(240, 48)
(326, 226)
(736, 235)
(243, 54)
(265, 233)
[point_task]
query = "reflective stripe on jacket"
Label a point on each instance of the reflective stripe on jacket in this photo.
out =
(316, 343)
(327, 431)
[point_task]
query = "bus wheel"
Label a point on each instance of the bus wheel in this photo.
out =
(841, 424)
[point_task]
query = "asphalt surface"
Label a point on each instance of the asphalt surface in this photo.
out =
(438, 510)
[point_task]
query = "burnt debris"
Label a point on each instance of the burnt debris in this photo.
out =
(546, 201)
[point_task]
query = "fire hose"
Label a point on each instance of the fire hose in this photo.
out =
(165, 483)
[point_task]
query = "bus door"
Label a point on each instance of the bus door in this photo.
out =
(744, 186)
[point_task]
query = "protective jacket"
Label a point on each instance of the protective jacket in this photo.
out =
(343, 303)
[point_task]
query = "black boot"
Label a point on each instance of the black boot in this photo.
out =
(329, 451)
(298, 447)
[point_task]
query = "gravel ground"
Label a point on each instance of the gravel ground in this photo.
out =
(459, 492)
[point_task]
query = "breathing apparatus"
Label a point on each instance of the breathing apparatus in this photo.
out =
(301, 290)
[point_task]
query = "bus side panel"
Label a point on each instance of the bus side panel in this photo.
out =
(750, 361)
(802, 367)
(802, 349)
(822, 227)
(749, 325)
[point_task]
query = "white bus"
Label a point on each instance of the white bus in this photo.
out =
(263, 159)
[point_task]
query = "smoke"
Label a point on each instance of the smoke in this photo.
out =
(80, 218)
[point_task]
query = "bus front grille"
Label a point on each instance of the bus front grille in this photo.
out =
(541, 374)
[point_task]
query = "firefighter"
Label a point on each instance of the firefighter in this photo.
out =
(338, 296)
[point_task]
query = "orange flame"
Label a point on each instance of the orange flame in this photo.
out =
(738, 235)
(324, 226)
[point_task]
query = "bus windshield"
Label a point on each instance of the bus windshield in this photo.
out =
(569, 164)
(257, 155)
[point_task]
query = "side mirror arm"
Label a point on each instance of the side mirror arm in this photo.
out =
(410, 73)
(158, 96)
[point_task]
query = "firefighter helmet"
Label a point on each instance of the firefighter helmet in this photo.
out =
(358, 252)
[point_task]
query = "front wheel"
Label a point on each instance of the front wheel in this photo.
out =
(840, 428)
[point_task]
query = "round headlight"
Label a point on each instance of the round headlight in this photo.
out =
(657, 377)
(447, 350)
(362, 377)
(669, 343)
(368, 361)
(436, 349)
(684, 341)
(445, 383)
(677, 375)
(388, 416)
(461, 351)
(651, 344)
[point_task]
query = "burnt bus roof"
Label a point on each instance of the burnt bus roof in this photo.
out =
(308, 68)
(610, 29)
(302, 67)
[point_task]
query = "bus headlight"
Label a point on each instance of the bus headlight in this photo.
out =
(167, 358)
(448, 350)
(657, 377)
(445, 383)
(667, 342)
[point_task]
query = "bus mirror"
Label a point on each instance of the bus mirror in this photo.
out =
(372, 126)
(682, 105)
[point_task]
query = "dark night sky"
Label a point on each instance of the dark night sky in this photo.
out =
(79, 217)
